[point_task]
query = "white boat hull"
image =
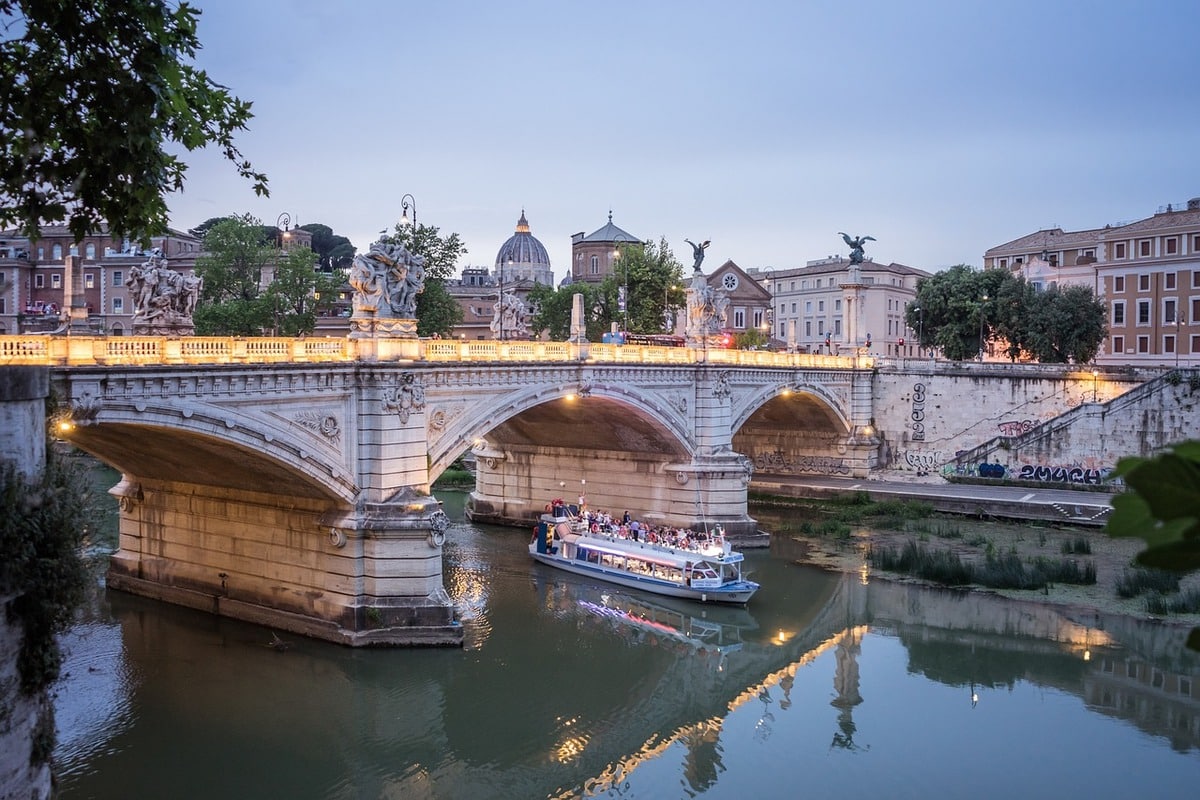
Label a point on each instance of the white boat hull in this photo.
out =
(739, 592)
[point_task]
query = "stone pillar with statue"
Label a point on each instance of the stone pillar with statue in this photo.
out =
(386, 281)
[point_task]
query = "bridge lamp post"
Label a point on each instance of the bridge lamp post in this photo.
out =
(982, 325)
(920, 329)
(406, 202)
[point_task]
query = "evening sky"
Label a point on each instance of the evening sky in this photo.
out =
(941, 128)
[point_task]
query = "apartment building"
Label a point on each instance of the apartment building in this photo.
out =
(33, 276)
(1147, 273)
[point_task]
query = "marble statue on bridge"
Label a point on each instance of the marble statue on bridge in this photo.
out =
(163, 300)
(510, 317)
(386, 281)
(707, 308)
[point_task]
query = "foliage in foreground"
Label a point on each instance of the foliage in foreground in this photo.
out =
(96, 100)
(1161, 505)
(42, 524)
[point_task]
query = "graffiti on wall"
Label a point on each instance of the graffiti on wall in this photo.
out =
(923, 461)
(1016, 427)
(1072, 473)
(918, 412)
(777, 461)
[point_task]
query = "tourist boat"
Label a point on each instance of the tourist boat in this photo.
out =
(706, 568)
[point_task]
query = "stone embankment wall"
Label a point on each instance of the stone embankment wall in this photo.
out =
(929, 413)
(1082, 445)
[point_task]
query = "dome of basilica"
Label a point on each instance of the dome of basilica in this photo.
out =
(522, 249)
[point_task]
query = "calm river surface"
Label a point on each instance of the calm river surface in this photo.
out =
(825, 686)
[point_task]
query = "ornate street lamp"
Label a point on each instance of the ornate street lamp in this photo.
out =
(406, 202)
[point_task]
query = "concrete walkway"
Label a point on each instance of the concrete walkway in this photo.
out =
(1012, 502)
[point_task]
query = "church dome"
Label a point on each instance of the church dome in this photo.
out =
(522, 250)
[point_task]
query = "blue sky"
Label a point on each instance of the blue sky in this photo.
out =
(939, 128)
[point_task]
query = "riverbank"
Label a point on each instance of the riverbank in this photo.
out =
(971, 540)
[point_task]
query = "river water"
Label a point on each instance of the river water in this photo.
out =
(826, 685)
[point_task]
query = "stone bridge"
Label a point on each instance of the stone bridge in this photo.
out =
(287, 482)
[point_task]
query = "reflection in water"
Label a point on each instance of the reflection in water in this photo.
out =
(568, 688)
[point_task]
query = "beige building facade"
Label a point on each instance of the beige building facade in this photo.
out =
(831, 306)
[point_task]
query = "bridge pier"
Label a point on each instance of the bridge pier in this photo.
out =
(366, 575)
(699, 493)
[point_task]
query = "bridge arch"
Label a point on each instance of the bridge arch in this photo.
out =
(794, 429)
(593, 416)
(211, 446)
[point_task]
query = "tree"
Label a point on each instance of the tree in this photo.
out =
(552, 309)
(954, 311)
(655, 279)
(294, 295)
(92, 94)
(333, 252)
(437, 312)
(232, 265)
(1065, 325)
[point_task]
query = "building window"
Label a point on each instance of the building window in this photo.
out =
(758, 318)
(118, 305)
(1169, 280)
(807, 307)
(118, 278)
(1119, 250)
(818, 283)
(3, 305)
(56, 252)
(90, 251)
(1118, 283)
(1196, 243)
(1143, 312)
(41, 253)
(89, 280)
(1196, 279)
(1144, 249)
(1118, 308)
(1143, 344)
(1143, 283)
(595, 269)
(793, 308)
(837, 327)
(1118, 345)
(1170, 246)
(837, 305)
(1195, 343)
(56, 281)
(807, 329)
(820, 327)
(1169, 343)
(1195, 309)
(820, 306)
(1168, 316)
(739, 318)
(1003, 263)
(39, 281)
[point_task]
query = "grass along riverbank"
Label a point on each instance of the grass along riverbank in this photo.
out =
(1038, 561)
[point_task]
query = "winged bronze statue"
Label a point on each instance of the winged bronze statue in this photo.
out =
(856, 246)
